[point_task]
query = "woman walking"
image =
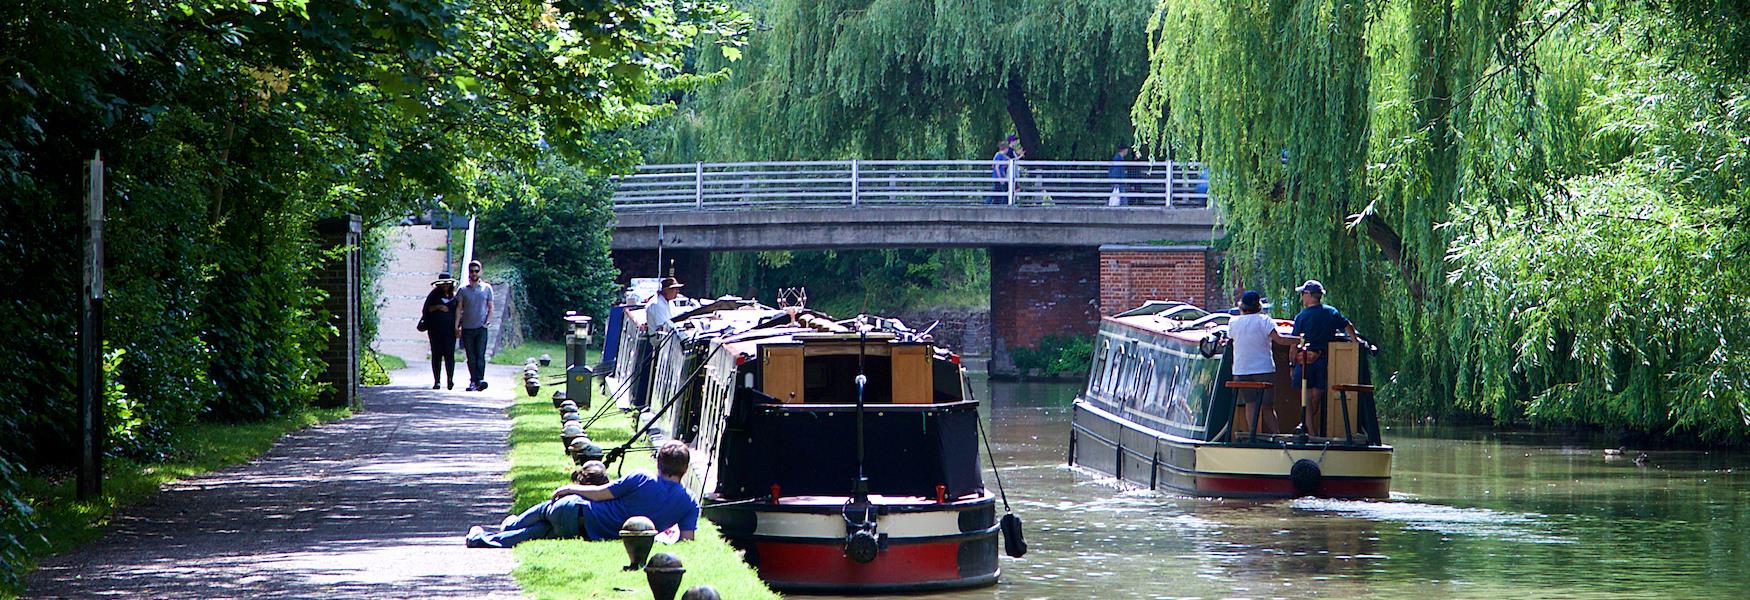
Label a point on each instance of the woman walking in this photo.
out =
(439, 321)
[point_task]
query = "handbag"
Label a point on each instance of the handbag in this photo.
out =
(422, 326)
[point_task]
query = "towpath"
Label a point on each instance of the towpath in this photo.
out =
(372, 506)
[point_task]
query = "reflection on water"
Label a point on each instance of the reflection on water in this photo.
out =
(1472, 514)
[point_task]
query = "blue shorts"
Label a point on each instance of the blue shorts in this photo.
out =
(1315, 374)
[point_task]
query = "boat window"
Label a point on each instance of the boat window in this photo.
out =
(1110, 385)
(1100, 363)
(830, 379)
(1149, 382)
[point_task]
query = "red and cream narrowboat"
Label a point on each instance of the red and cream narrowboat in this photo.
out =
(1159, 410)
(840, 456)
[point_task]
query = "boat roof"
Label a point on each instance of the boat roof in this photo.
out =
(1181, 321)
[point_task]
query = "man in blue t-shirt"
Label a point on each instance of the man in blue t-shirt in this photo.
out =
(1315, 327)
(596, 512)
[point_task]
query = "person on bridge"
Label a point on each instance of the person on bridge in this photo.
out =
(1118, 173)
(439, 321)
(596, 512)
(659, 316)
(1315, 328)
(1252, 333)
(473, 314)
(1008, 151)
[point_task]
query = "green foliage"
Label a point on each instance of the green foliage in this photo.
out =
(230, 128)
(919, 79)
(552, 229)
(851, 282)
(1056, 354)
(1531, 203)
(18, 528)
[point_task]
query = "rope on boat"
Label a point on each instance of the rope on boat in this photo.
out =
(618, 451)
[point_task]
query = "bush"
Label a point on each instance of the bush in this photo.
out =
(1056, 354)
(552, 229)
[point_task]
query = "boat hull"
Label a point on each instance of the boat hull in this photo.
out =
(799, 545)
(1107, 443)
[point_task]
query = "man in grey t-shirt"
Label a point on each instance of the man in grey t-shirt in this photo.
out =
(473, 313)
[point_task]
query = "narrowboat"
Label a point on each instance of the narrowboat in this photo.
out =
(1159, 410)
(838, 455)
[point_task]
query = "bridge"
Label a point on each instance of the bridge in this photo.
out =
(1069, 240)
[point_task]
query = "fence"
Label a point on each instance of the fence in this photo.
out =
(824, 184)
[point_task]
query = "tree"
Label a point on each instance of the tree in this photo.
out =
(1524, 196)
(917, 78)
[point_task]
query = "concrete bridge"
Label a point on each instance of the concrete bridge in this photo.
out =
(1069, 240)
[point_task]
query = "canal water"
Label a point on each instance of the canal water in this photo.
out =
(1473, 514)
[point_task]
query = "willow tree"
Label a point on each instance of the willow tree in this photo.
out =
(1525, 199)
(922, 78)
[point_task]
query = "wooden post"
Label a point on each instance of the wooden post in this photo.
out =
(91, 384)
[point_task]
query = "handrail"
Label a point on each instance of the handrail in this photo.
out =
(855, 183)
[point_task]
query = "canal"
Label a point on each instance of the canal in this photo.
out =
(1472, 514)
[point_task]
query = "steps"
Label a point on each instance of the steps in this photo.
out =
(416, 258)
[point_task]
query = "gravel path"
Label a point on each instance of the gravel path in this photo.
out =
(373, 506)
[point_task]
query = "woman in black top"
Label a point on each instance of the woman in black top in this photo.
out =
(440, 327)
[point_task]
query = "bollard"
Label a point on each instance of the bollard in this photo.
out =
(701, 592)
(638, 534)
(664, 575)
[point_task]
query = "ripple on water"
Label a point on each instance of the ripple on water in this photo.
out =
(1527, 527)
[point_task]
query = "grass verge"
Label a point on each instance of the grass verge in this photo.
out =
(531, 349)
(579, 569)
(68, 523)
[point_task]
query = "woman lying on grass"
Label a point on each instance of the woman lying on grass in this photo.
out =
(595, 512)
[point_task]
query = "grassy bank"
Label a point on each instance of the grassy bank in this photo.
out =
(532, 349)
(68, 523)
(580, 569)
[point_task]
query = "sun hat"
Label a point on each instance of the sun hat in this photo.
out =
(670, 283)
(444, 278)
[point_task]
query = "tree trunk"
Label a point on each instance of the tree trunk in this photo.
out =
(1022, 115)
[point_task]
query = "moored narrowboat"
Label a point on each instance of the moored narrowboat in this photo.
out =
(839, 456)
(1160, 410)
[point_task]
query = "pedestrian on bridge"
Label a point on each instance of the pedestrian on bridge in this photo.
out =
(473, 314)
(1118, 173)
(1008, 152)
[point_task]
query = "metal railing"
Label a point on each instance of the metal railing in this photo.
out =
(844, 183)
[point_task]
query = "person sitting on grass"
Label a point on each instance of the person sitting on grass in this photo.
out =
(595, 512)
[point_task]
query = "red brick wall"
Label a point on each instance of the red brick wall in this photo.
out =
(1130, 276)
(1040, 291)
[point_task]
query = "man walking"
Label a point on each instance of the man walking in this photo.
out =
(473, 314)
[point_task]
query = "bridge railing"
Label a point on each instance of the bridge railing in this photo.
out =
(823, 184)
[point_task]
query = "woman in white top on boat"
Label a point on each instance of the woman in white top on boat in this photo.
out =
(1252, 333)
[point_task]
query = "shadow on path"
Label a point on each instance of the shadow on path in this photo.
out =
(372, 506)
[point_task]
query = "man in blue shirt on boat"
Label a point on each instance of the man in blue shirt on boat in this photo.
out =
(1315, 327)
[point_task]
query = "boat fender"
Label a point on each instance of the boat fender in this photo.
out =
(1210, 345)
(1305, 475)
(863, 544)
(1014, 542)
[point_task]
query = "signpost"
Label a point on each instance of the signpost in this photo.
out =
(91, 385)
